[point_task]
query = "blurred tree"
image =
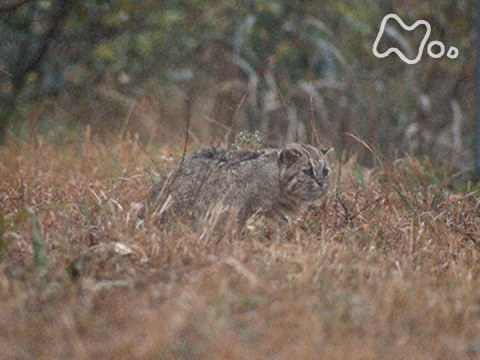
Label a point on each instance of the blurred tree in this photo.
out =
(296, 70)
(477, 118)
(30, 50)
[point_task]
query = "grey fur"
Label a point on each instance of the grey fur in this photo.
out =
(271, 182)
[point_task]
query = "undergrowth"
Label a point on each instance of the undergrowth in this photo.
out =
(387, 266)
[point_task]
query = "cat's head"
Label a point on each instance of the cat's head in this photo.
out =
(304, 172)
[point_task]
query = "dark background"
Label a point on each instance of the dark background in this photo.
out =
(295, 70)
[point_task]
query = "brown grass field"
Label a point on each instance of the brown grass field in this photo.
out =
(386, 267)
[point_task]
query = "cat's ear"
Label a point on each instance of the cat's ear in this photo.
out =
(325, 151)
(288, 156)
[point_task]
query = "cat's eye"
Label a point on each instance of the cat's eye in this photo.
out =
(309, 172)
(325, 172)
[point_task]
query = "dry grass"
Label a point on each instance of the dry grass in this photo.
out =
(392, 273)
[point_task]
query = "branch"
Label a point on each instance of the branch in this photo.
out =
(8, 8)
(59, 15)
(348, 215)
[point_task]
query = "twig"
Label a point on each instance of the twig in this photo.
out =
(5, 72)
(366, 206)
(369, 148)
(347, 212)
(7, 8)
(348, 215)
(233, 129)
(363, 142)
(218, 123)
(188, 116)
(312, 115)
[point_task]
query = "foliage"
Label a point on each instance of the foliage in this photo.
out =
(4, 242)
(249, 140)
(296, 70)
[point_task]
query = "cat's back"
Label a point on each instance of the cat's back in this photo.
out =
(268, 181)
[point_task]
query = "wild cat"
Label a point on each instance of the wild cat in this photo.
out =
(215, 184)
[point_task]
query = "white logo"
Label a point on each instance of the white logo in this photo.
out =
(452, 52)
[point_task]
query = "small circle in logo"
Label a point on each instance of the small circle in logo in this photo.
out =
(440, 53)
(452, 52)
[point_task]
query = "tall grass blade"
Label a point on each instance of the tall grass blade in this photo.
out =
(38, 243)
